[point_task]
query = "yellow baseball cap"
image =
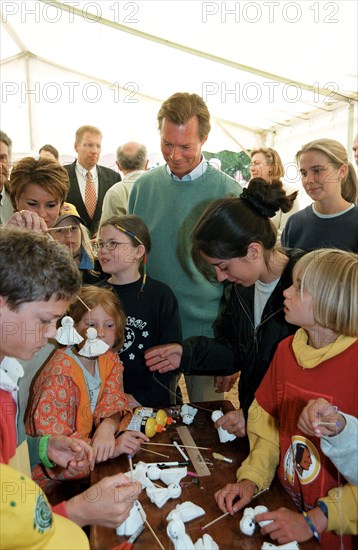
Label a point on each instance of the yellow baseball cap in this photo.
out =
(69, 210)
(27, 521)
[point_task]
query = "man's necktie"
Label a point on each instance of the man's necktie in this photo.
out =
(90, 195)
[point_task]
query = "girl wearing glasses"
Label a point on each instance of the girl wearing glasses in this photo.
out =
(123, 243)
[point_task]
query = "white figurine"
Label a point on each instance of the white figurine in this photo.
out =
(135, 519)
(160, 496)
(138, 474)
(247, 522)
(186, 511)
(173, 475)
(168, 475)
(206, 543)
(177, 534)
(67, 334)
(261, 510)
(224, 435)
(288, 546)
(188, 413)
(93, 345)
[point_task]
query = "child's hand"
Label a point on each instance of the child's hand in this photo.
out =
(320, 411)
(245, 489)
(103, 441)
(233, 422)
(285, 526)
(129, 442)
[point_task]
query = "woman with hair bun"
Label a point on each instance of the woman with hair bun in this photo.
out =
(234, 241)
(266, 163)
(331, 221)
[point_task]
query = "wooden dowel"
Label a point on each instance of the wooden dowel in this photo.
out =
(57, 228)
(215, 520)
(154, 535)
(227, 513)
(153, 452)
(131, 466)
(180, 445)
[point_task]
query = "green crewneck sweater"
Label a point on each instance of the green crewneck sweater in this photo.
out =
(170, 209)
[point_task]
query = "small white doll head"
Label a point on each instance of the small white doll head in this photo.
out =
(188, 414)
(247, 522)
(67, 334)
(98, 316)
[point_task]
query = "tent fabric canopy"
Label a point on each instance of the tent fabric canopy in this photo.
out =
(276, 72)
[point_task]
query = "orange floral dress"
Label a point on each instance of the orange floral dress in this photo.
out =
(61, 405)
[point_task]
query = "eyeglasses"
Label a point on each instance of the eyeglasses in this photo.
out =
(109, 245)
(255, 163)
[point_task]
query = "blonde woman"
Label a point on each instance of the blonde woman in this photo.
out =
(266, 163)
(331, 221)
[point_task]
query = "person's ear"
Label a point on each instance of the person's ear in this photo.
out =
(76, 147)
(139, 252)
(254, 252)
(343, 171)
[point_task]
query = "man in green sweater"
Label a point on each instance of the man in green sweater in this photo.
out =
(170, 199)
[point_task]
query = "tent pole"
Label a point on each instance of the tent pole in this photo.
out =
(350, 128)
(29, 103)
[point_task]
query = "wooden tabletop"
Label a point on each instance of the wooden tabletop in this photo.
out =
(226, 532)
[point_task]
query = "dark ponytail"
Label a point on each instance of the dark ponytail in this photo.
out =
(229, 225)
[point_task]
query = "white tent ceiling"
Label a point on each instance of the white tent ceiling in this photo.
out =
(274, 72)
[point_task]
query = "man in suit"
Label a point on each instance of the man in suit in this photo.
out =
(89, 181)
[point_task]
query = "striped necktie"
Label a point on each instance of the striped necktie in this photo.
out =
(90, 195)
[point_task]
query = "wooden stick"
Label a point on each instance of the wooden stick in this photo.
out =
(215, 520)
(57, 228)
(153, 452)
(82, 302)
(180, 445)
(154, 535)
(131, 466)
(227, 513)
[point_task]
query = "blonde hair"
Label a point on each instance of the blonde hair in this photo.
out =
(94, 296)
(83, 129)
(271, 157)
(338, 156)
(86, 243)
(331, 277)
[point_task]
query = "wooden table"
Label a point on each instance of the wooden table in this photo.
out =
(226, 532)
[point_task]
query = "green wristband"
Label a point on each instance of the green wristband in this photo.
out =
(43, 444)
